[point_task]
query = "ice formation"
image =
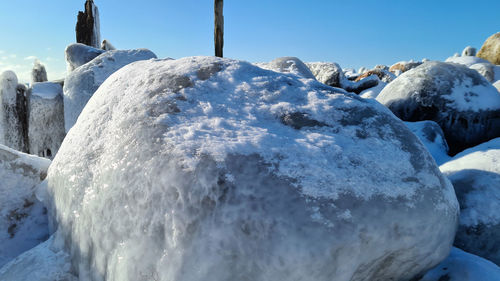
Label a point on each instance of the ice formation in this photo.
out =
(46, 119)
(79, 54)
(462, 266)
(38, 73)
(464, 104)
(469, 51)
(431, 135)
(81, 84)
(202, 166)
(23, 221)
(475, 174)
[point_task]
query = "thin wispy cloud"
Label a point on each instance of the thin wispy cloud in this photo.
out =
(30, 58)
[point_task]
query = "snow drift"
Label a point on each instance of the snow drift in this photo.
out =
(179, 170)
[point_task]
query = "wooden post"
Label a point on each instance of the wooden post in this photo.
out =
(219, 27)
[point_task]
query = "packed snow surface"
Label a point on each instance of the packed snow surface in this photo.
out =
(179, 170)
(23, 223)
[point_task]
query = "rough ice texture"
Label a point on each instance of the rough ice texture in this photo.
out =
(46, 119)
(81, 84)
(467, 60)
(289, 65)
(431, 135)
(464, 104)
(462, 266)
(38, 73)
(79, 54)
(23, 221)
(475, 174)
(45, 262)
(203, 166)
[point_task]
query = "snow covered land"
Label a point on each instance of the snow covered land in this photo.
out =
(204, 168)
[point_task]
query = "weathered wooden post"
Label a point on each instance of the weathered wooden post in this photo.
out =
(219, 27)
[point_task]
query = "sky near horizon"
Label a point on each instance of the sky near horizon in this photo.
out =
(351, 33)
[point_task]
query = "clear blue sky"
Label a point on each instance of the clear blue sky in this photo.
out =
(352, 33)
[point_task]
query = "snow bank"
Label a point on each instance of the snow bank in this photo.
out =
(81, 84)
(205, 166)
(462, 266)
(431, 135)
(46, 119)
(459, 99)
(475, 174)
(23, 221)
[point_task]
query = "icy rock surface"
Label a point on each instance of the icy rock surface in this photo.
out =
(289, 65)
(327, 73)
(431, 135)
(79, 54)
(45, 262)
(467, 60)
(459, 99)
(469, 51)
(403, 66)
(106, 45)
(46, 119)
(213, 167)
(475, 174)
(487, 70)
(23, 221)
(373, 92)
(13, 112)
(38, 73)
(81, 84)
(462, 266)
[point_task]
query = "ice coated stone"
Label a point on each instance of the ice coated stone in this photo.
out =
(289, 65)
(81, 84)
(80, 54)
(431, 135)
(491, 49)
(467, 60)
(23, 221)
(403, 66)
(485, 69)
(469, 51)
(327, 73)
(462, 266)
(203, 166)
(464, 104)
(46, 119)
(38, 73)
(88, 26)
(13, 113)
(107, 46)
(383, 75)
(475, 174)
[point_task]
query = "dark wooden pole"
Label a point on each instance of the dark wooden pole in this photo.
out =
(219, 27)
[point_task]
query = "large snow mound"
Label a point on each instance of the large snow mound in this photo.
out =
(23, 222)
(82, 83)
(214, 167)
(475, 174)
(462, 266)
(459, 99)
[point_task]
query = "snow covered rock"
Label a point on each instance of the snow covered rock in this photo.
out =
(462, 266)
(464, 104)
(403, 66)
(38, 73)
(373, 92)
(475, 174)
(23, 219)
(289, 65)
(491, 49)
(469, 51)
(81, 84)
(383, 75)
(80, 54)
(327, 73)
(467, 61)
(46, 119)
(88, 26)
(431, 135)
(13, 113)
(205, 166)
(45, 262)
(107, 46)
(487, 70)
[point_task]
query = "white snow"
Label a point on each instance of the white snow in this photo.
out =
(373, 92)
(466, 60)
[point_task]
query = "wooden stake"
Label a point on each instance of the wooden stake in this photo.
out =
(219, 27)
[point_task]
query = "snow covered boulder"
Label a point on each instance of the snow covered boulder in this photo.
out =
(289, 65)
(469, 51)
(79, 54)
(467, 60)
(487, 70)
(475, 174)
(462, 266)
(459, 99)
(23, 220)
(403, 66)
(81, 84)
(327, 73)
(431, 135)
(491, 49)
(38, 73)
(46, 119)
(205, 166)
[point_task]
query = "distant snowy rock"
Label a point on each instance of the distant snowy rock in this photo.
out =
(203, 166)
(289, 65)
(81, 84)
(327, 73)
(464, 104)
(469, 51)
(38, 73)
(46, 119)
(467, 61)
(462, 266)
(383, 75)
(475, 174)
(431, 135)
(107, 46)
(403, 66)
(491, 49)
(23, 220)
(80, 54)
